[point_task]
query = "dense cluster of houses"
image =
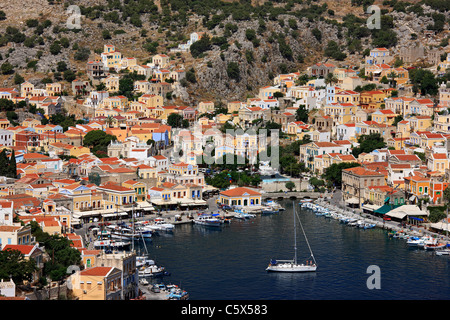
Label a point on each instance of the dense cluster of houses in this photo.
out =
(60, 183)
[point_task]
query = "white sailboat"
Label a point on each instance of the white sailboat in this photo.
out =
(293, 265)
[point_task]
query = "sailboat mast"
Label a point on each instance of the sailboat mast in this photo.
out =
(295, 236)
(307, 242)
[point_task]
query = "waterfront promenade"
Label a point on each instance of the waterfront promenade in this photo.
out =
(336, 205)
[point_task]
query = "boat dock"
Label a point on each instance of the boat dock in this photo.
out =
(382, 224)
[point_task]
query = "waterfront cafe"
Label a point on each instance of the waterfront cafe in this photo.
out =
(410, 214)
(99, 215)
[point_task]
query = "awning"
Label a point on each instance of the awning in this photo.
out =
(406, 210)
(386, 208)
(83, 214)
(441, 225)
(370, 207)
(352, 201)
(116, 214)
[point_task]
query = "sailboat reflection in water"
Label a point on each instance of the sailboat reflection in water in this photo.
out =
(293, 265)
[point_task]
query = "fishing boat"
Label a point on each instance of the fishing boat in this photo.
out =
(239, 214)
(293, 265)
(272, 205)
(159, 224)
(208, 220)
(269, 210)
(443, 252)
(434, 246)
(107, 244)
(124, 232)
(152, 271)
(176, 293)
(143, 261)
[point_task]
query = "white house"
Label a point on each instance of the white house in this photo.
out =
(6, 138)
(158, 161)
(345, 131)
(6, 213)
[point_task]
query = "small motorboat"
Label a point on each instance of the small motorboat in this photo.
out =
(434, 246)
(443, 252)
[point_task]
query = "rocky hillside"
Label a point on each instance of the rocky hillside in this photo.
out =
(249, 42)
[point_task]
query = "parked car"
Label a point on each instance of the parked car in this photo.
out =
(155, 288)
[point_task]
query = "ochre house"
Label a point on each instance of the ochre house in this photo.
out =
(240, 196)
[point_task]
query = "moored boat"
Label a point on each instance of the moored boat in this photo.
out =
(208, 220)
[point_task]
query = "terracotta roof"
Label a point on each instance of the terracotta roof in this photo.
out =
(97, 271)
(239, 191)
(24, 249)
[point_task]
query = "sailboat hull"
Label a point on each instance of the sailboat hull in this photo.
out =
(291, 267)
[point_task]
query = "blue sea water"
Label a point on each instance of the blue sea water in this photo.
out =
(229, 263)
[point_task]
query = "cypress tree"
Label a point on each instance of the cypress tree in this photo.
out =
(4, 162)
(12, 168)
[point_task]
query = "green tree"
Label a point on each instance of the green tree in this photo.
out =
(55, 48)
(424, 81)
(333, 174)
(14, 265)
(333, 50)
(18, 79)
(176, 120)
(126, 87)
(233, 71)
(7, 68)
(98, 141)
(368, 143)
(290, 185)
(69, 75)
(200, 46)
(302, 114)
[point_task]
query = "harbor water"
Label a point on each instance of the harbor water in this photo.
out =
(229, 263)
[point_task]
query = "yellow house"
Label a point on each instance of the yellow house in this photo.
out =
(30, 123)
(340, 112)
(53, 89)
(129, 63)
(403, 128)
(114, 102)
(110, 57)
(82, 196)
(268, 91)
(240, 196)
(26, 89)
(152, 100)
(438, 162)
(397, 143)
(76, 151)
(117, 195)
(222, 118)
(384, 116)
(97, 283)
(167, 110)
(372, 99)
(147, 172)
(140, 189)
(205, 107)
(234, 106)
(142, 134)
(111, 83)
(424, 123)
(401, 75)
(161, 60)
(429, 139)
(347, 96)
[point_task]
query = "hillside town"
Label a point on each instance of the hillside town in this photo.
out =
(373, 136)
